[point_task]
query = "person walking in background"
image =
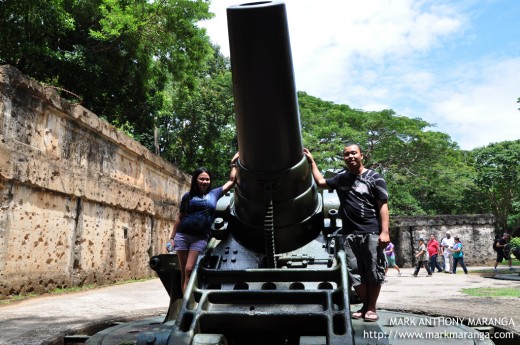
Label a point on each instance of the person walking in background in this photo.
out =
(191, 230)
(422, 257)
(433, 251)
(364, 213)
(502, 253)
(446, 243)
(390, 259)
(458, 256)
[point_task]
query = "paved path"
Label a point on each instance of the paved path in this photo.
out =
(38, 320)
(441, 295)
(43, 320)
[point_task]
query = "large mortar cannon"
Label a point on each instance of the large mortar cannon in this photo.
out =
(274, 273)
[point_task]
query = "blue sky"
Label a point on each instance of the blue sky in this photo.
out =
(454, 64)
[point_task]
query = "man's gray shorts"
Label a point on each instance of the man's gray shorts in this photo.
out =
(365, 259)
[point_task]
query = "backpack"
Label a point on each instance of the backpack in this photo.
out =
(495, 241)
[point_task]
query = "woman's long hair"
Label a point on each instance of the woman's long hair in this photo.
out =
(194, 188)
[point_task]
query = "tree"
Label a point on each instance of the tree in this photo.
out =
(119, 56)
(497, 176)
(400, 148)
(30, 32)
(201, 131)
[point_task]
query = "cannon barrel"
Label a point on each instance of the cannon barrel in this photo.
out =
(276, 205)
(266, 103)
(275, 272)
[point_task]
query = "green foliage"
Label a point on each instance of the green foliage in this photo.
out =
(513, 220)
(401, 148)
(201, 131)
(118, 56)
(515, 243)
(30, 29)
(497, 177)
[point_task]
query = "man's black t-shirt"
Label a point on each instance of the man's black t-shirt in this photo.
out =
(358, 195)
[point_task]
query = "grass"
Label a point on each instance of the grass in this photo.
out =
(60, 291)
(17, 298)
(492, 292)
(57, 291)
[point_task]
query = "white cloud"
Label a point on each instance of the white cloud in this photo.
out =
(370, 28)
(404, 55)
(479, 103)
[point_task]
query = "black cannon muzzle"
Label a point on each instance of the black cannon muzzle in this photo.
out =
(276, 206)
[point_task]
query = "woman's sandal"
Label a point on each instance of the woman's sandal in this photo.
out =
(360, 314)
(371, 316)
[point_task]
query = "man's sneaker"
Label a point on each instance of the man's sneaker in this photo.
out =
(429, 275)
(399, 274)
(510, 268)
(494, 270)
(414, 275)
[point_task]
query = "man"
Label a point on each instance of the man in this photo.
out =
(364, 214)
(433, 252)
(446, 244)
(422, 259)
(502, 252)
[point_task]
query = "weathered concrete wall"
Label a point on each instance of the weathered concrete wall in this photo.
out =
(80, 202)
(476, 232)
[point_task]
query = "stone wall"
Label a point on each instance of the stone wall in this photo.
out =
(476, 232)
(80, 202)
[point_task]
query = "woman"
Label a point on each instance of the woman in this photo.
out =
(390, 259)
(458, 256)
(191, 230)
